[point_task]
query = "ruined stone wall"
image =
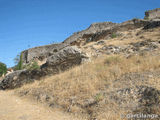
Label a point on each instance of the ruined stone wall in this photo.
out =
(152, 14)
(41, 52)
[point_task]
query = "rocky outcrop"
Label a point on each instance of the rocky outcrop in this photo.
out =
(64, 59)
(104, 30)
(20, 77)
(140, 47)
(10, 80)
(93, 28)
(152, 14)
(140, 99)
(107, 34)
(58, 62)
(152, 24)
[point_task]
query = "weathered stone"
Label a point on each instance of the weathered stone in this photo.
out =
(152, 14)
(152, 24)
(60, 61)
(41, 52)
(95, 32)
(107, 33)
(94, 28)
(21, 77)
(11, 80)
(64, 59)
(140, 99)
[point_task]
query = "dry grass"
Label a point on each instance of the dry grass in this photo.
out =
(130, 37)
(71, 89)
(154, 82)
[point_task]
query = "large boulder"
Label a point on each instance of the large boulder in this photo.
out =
(19, 78)
(11, 80)
(64, 59)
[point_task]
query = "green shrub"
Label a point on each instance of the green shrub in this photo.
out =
(3, 69)
(99, 97)
(146, 18)
(19, 64)
(32, 66)
(114, 35)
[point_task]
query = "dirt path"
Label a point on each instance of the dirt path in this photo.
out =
(15, 108)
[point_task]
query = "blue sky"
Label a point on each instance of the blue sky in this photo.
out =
(29, 23)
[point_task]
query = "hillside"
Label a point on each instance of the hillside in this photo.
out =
(109, 85)
(106, 72)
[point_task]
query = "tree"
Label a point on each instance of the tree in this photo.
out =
(17, 59)
(19, 62)
(3, 69)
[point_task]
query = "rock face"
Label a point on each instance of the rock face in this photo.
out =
(60, 61)
(152, 24)
(107, 34)
(152, 14)
(94, 28)
(20, 77)
(64, 59)
(141, 99)
(11, 80)
(103, 30)
(140, 47)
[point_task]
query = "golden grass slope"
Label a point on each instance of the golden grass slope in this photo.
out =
(78, 90)
(72, 89)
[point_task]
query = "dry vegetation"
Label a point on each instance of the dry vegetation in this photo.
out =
(75, 90)
(80, 90)
(131, 36)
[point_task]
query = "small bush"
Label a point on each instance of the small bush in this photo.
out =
(146, 18)
(32, 66)
(99, 97)
(114, 35)
(3, 69)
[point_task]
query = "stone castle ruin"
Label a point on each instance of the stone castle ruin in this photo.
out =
(95, 32)
(152, 14)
